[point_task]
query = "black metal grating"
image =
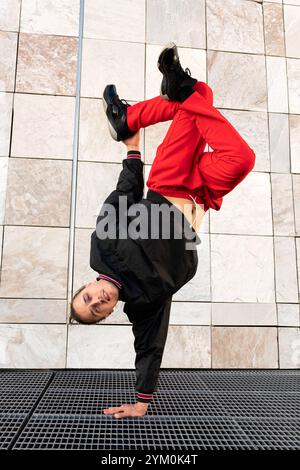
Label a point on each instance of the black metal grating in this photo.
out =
(192, 409)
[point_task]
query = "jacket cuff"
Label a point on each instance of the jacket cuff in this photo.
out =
(134, 154)
(144, 397)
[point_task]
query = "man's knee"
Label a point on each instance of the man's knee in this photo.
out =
(247, 160)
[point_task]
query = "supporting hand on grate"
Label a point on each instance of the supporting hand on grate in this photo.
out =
(124, 411)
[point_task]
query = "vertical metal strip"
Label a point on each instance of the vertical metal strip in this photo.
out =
(75, 156)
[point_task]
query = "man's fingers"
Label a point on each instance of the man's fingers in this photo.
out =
(115, 409)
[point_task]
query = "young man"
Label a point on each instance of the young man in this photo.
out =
(146, 271)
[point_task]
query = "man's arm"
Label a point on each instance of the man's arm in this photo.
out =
(150, 338)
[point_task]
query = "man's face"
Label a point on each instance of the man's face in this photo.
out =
(96, 301)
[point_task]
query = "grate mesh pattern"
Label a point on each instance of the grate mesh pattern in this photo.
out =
(192, 409)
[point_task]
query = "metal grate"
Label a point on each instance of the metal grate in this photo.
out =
(56, 432)
(9, 427)
(192, 409)
(24, 377)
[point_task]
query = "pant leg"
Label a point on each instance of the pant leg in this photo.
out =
(231, 159)
(149, 112)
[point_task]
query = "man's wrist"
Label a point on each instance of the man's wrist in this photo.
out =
(142, 405)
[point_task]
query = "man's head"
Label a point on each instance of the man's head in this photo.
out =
(94, 301)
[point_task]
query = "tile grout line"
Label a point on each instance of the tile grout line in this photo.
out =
(74, 171)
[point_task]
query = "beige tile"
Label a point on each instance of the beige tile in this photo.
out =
(242, 313)
(242, 268)
(8, 49)
(50, 17)
(121, 63)
(173, 17)
(33, 311)
(296, 194)
(1, 239)
(9, 15)
(238, 80)
(193, 58)
(34, 263)
(32, 346)
(282, 203)
(43, 119)
(190, 313)
(288, 314)
(293, 73)
(244, 347)
(285, 272)
(95, 182)
(292, 32)
(95, 141)
(187, 347)
(3, 185)
(42, 63)
(253, 127)
(277, 84)
(294, 121)
(234, 26)
(289, 348)
(100, 346)
(125, 20)
(246, 209)
(33, 199)
(279, 143)
(6, 100)
(298, 259)
(274, 29)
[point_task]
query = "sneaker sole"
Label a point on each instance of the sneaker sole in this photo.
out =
(112, 130)
(161, 67)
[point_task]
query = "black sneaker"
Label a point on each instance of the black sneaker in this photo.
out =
(116, 112)
(177, 83)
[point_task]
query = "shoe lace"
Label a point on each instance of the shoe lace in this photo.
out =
(187, 70)
(125, 102)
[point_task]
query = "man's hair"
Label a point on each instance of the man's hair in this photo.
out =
(74, 316)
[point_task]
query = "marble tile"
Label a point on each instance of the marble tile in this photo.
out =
(165, 16)
(194, 59)
(279, 143)
(9, 15)
(3, 185)
(154, 136)
(294, 121)
(296, 194)
(298, 259)
(289, 348)
(198, 288)
(33, 199)
(285, 269)
(253, 127)
(42, 63)
(187, 347)
(277, 84)
(95, 182)
(271, 1)
(242, 268)
(292, 33)
(282, 202)
(244, 347)
(242, 313)
(33, 311)
(247, 209)
(6, 100)
(99, 346)
(190, 313)
(273, 29)
(39, 256)
(125, 20)
(39, 119)
(232, 26)
(32, 346)
(8, 50)
(288, 315)
(121, 63)
(95, 141)
(238, 80)
(50, 17)
(1, 239)
(293, 73)
(286, 2)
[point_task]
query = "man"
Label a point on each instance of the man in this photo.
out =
(145, 271)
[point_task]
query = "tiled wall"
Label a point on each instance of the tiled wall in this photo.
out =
(58, 163)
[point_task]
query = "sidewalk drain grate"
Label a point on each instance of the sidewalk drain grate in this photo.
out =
(9, 427)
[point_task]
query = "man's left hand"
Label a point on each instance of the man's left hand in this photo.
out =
(124, 411)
